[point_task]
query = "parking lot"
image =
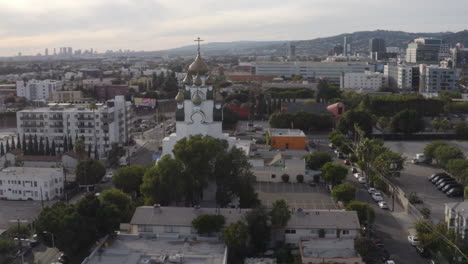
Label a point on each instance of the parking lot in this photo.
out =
(414, 178)
(24, 210)
(297, 195)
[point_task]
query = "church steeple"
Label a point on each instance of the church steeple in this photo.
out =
(198, 66)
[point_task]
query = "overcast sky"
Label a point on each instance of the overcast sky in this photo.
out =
(30, 26)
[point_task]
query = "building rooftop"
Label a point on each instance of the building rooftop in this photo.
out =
(285, 132)
(34, 172)
(183, 216)
(328, 248)
(131, 249)
(459, 207)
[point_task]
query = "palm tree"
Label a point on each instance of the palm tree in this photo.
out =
(93, 107)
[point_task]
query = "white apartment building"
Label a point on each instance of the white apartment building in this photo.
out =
(456, 217)
(327, 70)
(37, 89)
(399, 76)
(434, 79)
(22, 183)
(107, 124)
(366, 81)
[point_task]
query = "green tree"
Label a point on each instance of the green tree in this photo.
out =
(2, 149)
(22, 231)
(461, 129)
(285, 178)
(355, 117)
(80, 147)
(444, 154)
(89, 171)
(456, 168)
(235, 237)
(7, 146)
(317, 159)
(344, 192)
(47, 147)
(436, 124)
(300, 178)
(53, 149)
(388, 162)
(281, 120)
(258, 227)
(6, 246)
(129, 179)
(121, 202)
(114, 154)
(41, 147)
(280, 214)
(368, 250)
(429, 150)
(208, 224)
(333, 173)
(383, 122)
(327, 91)
(407, 122)
(364, 211)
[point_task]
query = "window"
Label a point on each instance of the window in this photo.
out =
(290, 231)
(171, 229)
(345, 232)
(273, 176)
(35, 183)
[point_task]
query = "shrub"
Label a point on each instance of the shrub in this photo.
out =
(300, 178)
(285, 177)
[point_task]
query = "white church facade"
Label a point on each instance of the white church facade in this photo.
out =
(199, 107)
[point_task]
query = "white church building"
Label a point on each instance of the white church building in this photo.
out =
(199, 107)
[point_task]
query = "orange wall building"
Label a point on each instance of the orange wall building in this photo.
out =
(287, 138)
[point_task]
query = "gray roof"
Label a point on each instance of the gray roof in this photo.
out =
(329, 248)
(324, 219)
(459, 207)
(183, 216)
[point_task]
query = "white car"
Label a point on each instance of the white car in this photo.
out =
(413, 240)
(383, 205)
(390, 262)
(357, 175)
(372, 190)
(377, 197)
(362, 180)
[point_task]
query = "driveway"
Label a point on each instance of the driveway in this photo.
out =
(23, 210)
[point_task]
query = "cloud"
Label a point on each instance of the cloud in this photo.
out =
(32, 25)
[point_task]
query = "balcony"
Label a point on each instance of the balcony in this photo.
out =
(55, 117)
(32, 125)
(56, 125)
(41, 117)
(85, 126)
(85, 118)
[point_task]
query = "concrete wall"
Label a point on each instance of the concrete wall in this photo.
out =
(305, 234)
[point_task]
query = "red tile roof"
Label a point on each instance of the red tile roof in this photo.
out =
(42, 158)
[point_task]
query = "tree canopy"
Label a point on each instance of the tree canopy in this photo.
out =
(317, 159)
(207, 224)
(129, 179)
(280, 214)
(407, 122)
(258, 227)
(344, 192)
(334, 173)
(89, 171)
(364, 211)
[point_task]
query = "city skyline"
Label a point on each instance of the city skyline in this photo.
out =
(163, 24)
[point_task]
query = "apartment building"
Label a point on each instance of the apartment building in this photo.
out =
(434, 79)
(366, 81)
(107, 124)
(399, 76)
(424, 50)
(311, 70)
(23, 183)
(37, 89)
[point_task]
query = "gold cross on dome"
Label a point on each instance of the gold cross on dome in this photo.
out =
(198, 40)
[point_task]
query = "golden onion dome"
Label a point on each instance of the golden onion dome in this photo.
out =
(198, 81)
(218, 96)
(198, 66)
(180, 96)
(197, 100)
(188, 79)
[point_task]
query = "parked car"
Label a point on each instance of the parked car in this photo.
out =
(341, 156)
(63, 258)
(357, 175)
(372, 190)
(331, 146)
(354, 170)
(390, 261)
(377, 197)
(444, 183)
(383, 205)
(455, 192)
(443, 179)
(362, 180)
(443, 176)
(347, 162)
(436, 174)
(421, 251)
(451, 185)
(413, 240)
(34, 241)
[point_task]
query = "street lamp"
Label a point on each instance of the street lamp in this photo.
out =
(52, 235)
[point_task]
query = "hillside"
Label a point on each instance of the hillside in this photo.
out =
(317, 47)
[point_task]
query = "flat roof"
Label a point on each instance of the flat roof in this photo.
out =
(286, 132)
(131, 249)
(328, 248)
(459, 207)
(34, 172)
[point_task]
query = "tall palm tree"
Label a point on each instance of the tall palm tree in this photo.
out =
(92, 106)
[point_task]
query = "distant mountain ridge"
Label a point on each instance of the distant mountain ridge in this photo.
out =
(319, 46)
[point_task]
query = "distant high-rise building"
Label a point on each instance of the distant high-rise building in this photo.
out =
(19, 54)
(423, 51)
(70, 51)
(345, 47)
(435, 79)
(444, 52)
(291, 51)
(46, 52)
(55, 52)
(376, 48)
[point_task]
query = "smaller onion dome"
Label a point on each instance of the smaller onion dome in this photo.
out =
(210, 80)
(188, 79)
(197, 100)
(198, 66)
(197, 81)
(218, 96)
(180, 96)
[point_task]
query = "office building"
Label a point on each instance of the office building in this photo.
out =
(376, 48)
(23, 183)
(460, 59)
(46, 52)
(291, 51)
(434, 79)
(37, 89)
(331, 71)
(444, 52)
(399, 76)
(456, 217)
(366, 81)
(423, 51)
(107, 124)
